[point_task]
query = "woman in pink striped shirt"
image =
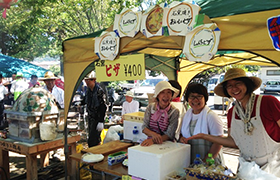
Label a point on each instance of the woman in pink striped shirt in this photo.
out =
(161, 117)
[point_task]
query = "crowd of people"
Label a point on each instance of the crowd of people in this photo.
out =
(253, 120)
(11, 90)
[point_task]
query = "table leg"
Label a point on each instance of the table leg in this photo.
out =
(103, 175)
(44, 159)
(31, 167)
(72, 164)
(4, 162)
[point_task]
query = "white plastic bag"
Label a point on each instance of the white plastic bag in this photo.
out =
(47, 131)
(112, 133)
(251, 171)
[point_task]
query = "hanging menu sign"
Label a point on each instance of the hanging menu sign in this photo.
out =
(127, 23)
(179, 17)
(152, 21)
(130, 67)
(202, 43)
(107, 46)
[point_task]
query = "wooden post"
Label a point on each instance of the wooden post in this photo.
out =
(31, 167)
(4, 162)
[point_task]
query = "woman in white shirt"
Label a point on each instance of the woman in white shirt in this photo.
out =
(201, 119)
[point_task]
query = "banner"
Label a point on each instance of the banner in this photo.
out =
(130, 67)
(201, 44)
(107, 46)
(127, 23)
(273, 25)
(179, 17)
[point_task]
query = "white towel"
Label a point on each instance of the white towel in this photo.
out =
(201, 125)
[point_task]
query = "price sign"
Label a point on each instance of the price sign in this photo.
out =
(130, 67)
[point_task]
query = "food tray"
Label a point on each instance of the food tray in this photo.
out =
(194, 174)
(176, 176)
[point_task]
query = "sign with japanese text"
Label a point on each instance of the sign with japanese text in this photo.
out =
(202, 43)
(179, 17)
(127, 23)
(130, 67)
(273, 25)
(107, 46)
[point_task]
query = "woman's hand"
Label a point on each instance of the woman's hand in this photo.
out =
(183, 140)
(197, 136)
(147, 142)
(157, 139)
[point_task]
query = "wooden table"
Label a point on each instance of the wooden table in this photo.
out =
(108, 148)
(31, 150)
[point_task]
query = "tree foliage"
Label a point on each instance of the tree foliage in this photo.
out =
(35, 28)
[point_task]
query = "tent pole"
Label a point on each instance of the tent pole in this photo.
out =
(66, 149)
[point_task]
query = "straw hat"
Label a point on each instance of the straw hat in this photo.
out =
(48, 75)
(234, 73)
(91, 75)
(129, 93)
(162, 85)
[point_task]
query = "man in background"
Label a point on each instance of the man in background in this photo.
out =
(96, 108)
(58, 93)
(130, 105)
(18, 86)
(33, 81)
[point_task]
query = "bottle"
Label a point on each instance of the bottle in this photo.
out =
(135, 133)
(197, 160)
(110, 119)
(210, 160)
(106, 119)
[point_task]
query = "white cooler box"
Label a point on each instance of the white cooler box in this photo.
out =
(156, 161)
(132, 120)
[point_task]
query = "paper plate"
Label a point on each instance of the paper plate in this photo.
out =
(92, 158)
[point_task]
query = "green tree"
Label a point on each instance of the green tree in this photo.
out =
(36, 28)
(55, 69)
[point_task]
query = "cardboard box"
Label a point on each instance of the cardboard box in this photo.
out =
(157, 161)
(129, 126)
(136, 116)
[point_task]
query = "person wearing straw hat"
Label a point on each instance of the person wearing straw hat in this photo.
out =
(201, 119)
(95, 100)
(253, 122)
(58, 93)
(161, 117)
(130, 105)
(18, 86)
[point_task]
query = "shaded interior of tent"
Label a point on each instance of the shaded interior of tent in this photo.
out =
(243, 30)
